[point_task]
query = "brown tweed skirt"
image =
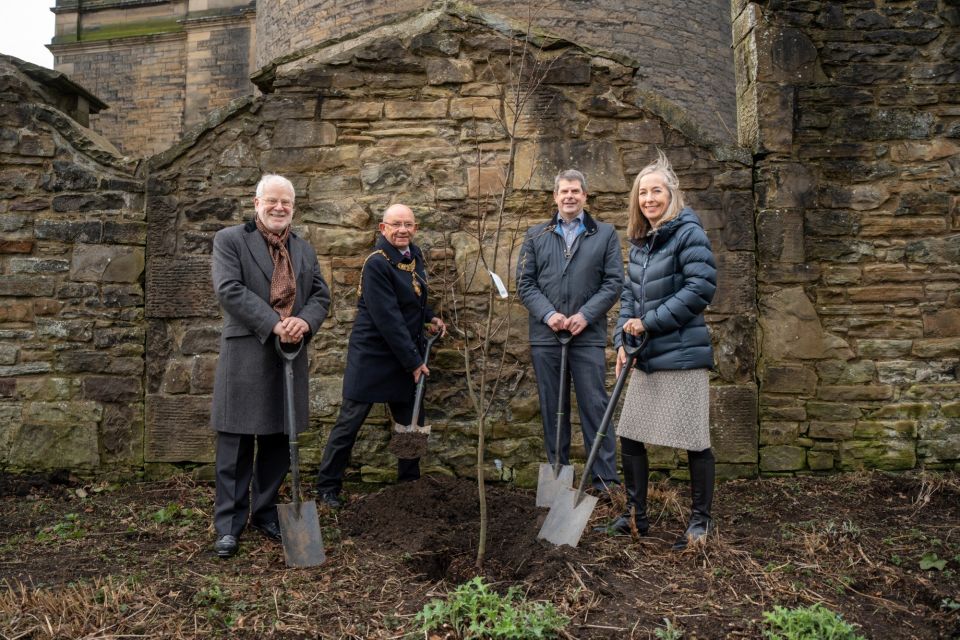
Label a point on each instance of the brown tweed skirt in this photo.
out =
(667, 408)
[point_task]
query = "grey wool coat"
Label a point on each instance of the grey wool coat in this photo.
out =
(248, 387)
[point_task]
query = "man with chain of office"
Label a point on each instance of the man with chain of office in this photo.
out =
(385, 356)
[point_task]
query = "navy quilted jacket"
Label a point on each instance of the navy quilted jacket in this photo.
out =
(671, 278)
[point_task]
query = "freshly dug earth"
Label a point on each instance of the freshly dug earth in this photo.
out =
(98, 560)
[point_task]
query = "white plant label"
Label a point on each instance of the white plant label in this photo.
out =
(502, 290)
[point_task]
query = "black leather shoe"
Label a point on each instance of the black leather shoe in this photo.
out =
(330, 500)
(226, 546)
(269, 529)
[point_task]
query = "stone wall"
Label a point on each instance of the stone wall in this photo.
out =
(853, 113)
(683, 47)
(402, 114)
(163, 65)
(71, 291)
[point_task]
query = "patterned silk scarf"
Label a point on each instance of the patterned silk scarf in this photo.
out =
(283, 285)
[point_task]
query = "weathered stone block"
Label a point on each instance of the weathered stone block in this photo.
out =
(788, 379)
(213, 209)
(198, 340)
(891, 455)
(855, 392)
(831, 430)
(176, 378)
(485, 181)
(782, 458)
(415, 110)
(792, 329)
(68, 176)
(537, 163)
(736, 288)
(644, 131)
(55, 446)
(780, 235)
(334, 109)
(304, 133)
(17, 311)
(121, 434)
(8, 353)
(481, 108)
(820, 460)
(778, 433)
(177, 429)
(281, 107)
(38, 265)
(785, 186)
(62, 413)
(311, 159)
(27, 285)
(24, 245)
(448, 70)
(936, 347)
(734, 428)
(112, 389)
(342, 242)
(568, 69)
(26, 369)
(202, 374)
(885, 429)
(180, 288)
(46, 389)
(67, 231)
(101, 263)
(84, 203)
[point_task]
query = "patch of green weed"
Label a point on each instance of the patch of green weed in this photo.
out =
(668, 631)
(475, 611)
(816, 622)
(67, 529)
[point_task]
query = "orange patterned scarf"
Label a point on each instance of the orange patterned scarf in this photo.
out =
(283, 285)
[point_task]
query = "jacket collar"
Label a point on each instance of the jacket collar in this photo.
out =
(394, 255)
(588, 222)
(667, 229)
(258, 248)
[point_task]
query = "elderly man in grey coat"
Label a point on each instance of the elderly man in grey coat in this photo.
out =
(569, 275)
(268, 282)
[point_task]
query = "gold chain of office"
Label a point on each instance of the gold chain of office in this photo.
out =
(410, 268)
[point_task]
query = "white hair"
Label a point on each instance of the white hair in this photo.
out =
(273, 177)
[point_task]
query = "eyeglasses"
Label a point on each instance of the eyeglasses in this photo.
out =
(402, 225)
(272, 202)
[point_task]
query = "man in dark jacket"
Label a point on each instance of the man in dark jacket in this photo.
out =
(569, 275)
(387, 344)
(268, 282)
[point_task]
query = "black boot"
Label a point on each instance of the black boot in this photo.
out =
(635, 477)
(702, 475)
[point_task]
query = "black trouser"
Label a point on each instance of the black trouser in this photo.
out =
(237, 466)
(336, 455)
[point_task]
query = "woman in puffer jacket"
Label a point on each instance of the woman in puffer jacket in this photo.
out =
(671, 278)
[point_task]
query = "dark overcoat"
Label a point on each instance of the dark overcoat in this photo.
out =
(388, 342)
(248, 387)
(587, 279)
(671, 278)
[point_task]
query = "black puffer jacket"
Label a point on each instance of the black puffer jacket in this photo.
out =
(671, 278)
